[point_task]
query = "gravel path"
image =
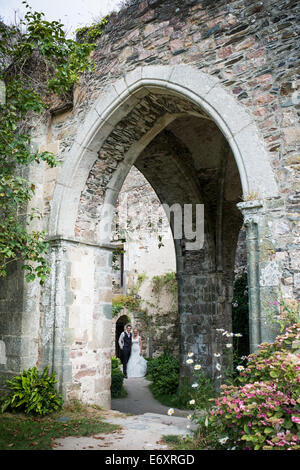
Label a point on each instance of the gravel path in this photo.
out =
(140, 400)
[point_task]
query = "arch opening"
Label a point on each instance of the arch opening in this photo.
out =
(191, 149)
(188, 162)
(119, 328)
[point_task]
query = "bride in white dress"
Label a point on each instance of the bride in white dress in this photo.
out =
(137, 365)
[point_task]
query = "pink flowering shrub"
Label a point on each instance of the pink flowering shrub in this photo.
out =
(264, 411)
(278, 362)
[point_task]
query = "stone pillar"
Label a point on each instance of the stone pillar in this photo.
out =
(265, 252)
(76, 332)
(198, 309)
(250, 223)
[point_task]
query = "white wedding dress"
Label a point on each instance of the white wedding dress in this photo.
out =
(137, 365)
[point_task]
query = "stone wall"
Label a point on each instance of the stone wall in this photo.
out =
(141, 220)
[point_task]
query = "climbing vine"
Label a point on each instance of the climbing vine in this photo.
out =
(37, 61)
(165, 281)
(92, 32)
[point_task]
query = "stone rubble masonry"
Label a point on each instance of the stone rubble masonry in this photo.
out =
(217, 80)
(138, 205)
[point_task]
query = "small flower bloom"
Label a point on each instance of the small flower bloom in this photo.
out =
(240, 368)
(189, 361)
(197, 367)
(171, 411)
(223, 440)
(296, 419)
(190, 354)
(189, 417)
(218, 366)
(192, 402)
(195, 385)
(219, 377)
(238, 335)
(217, 354)
(228, 345)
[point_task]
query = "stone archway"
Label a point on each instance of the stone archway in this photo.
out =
(130, 123)
(119, 328)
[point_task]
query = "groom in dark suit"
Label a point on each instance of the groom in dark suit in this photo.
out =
(125, 342)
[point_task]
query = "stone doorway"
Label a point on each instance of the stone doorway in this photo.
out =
(120, 327)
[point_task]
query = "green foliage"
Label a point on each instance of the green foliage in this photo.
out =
(32, 392)
(166, 281)
(240, 315)
(124, 301)
(92, 32)
(287, 313)
(19, 432)
(202, 390)
(117, 378)
(116, 308)
(115, 258)
(42, 61)
(264, 411)
(163, 371)
(278, 361)
(115, 362)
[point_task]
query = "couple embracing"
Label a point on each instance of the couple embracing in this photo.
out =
(134, 365)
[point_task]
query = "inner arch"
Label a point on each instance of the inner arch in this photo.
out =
(187, 160)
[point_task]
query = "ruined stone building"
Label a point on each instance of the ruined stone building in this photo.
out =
(202, 98)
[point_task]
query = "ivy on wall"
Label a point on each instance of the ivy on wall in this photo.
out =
(92, 32)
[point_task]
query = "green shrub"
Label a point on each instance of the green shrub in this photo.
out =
(32, 392)
(116, 308)
(115, 362)
(202, 390)
(117, 378)
(263, 413)
(240, 315)
(164, 373)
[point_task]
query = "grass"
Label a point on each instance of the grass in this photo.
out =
(176, 442)
(198, 441)
(173, 401)
(21, 432)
